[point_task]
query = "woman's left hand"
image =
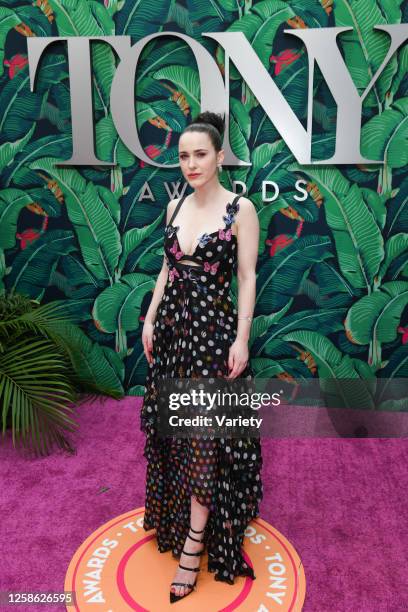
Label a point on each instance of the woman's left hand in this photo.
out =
(238, 358)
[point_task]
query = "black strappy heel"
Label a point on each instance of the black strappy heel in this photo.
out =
(173, 596)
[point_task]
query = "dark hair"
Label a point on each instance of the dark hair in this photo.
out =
(212, 124)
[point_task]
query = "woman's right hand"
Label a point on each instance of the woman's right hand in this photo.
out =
(147, 340)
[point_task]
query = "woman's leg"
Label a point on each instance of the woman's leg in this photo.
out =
(202, 475)
(198, 520)
(199, 514)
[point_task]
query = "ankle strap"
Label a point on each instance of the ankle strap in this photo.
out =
(190, 569)
(194, 531)
(194, 539)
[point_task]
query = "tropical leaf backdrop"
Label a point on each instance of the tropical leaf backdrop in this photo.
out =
(332, 286)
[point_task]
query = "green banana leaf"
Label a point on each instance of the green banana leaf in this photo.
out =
(262, 323)
(399, 76)
(77, 18)
(312, 13)
(9, 150)
(136, 365)
(279, 278)
(80, 275)
(384, 137)
(185, 79)
(91, 217)
(159, 54)
(32, 17)
(260, 27)
(365, 48)
(396, 366)
(376, 203)
(261, 156)
(142, 17)
(209, 17)
(148, 256)
(182, 16)
(394, 247)
(141, 206)
(314, 320)
(18, 172)
(117, 308)
(374, 318)
(103, 71)
(239, 130)
(19, 108)
(8, 19)
(265, 216)
(32, 267)
(334, 366)
(359, 243)
(398, 269)
(12, 202)
(134, 237)
(274, 348)
(330, 280)
(400, 405)
(266, 368)
(397, 211)
(70, 290)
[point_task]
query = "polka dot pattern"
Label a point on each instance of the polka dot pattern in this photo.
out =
(195, 325)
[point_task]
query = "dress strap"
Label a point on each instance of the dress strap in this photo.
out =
(231, 210)
(179, 203)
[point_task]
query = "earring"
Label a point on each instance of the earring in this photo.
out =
(219, 168)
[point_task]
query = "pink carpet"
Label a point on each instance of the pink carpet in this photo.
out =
(342, 503)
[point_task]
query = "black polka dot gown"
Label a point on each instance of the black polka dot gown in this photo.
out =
(195, 325)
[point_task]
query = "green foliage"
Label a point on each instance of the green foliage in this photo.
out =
(45, 360)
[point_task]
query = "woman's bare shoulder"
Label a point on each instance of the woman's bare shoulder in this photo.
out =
(242, 198)
(171, 206)
(245, 205)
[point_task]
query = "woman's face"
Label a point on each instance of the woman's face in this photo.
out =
(198, 158)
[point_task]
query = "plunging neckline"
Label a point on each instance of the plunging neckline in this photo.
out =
(177, 227)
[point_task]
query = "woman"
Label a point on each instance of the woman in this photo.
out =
(202, 492)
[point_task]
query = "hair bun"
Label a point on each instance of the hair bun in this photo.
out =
(215, 119)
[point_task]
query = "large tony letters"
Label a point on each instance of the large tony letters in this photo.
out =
(322, 48)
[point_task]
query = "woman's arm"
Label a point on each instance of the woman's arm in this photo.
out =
(157, 293)
(248, 244)
(147, 334)
(248, 241)
(162, 277)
